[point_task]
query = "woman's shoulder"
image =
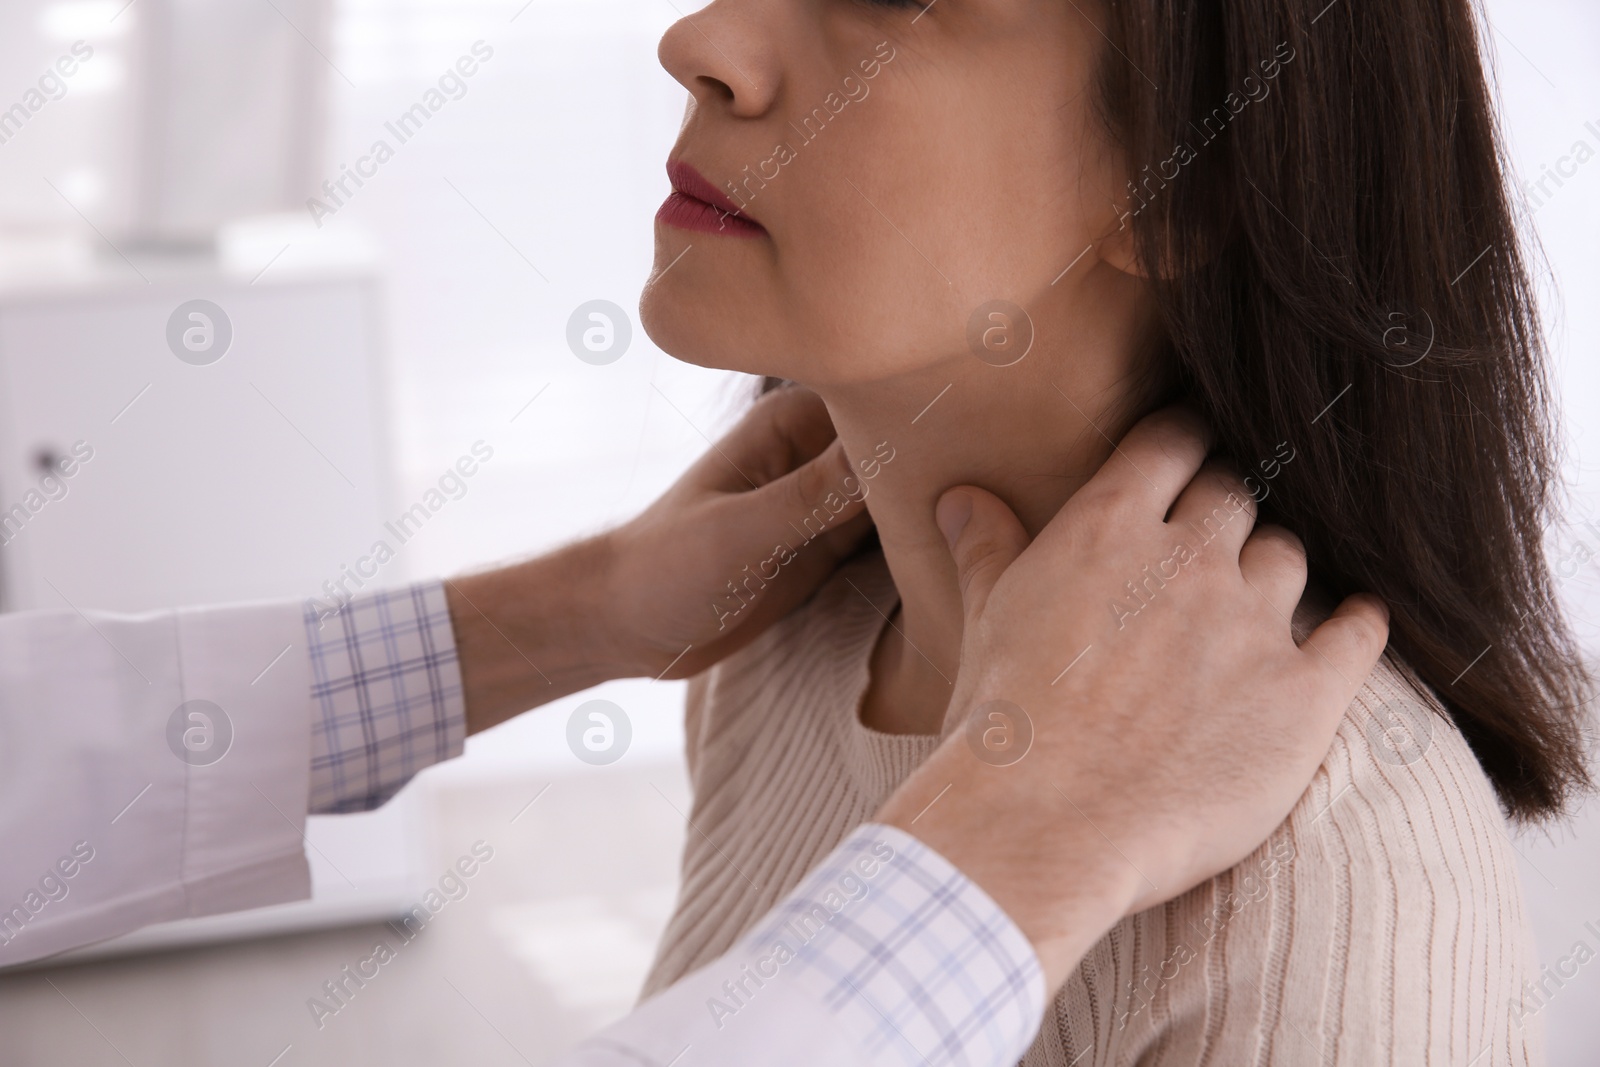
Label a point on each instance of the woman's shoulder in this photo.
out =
(1382, 922)
(1401, 785)
(1403, 889)
(1403, 827)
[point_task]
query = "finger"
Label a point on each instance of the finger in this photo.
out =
(787, 519)
(798, 575)
(1155, 459)
(819, 559)
(782, 429)
(1274, 561)
(1215, 512)
(1348, 644)
(811, 500)
(984, 535)
(846, 538)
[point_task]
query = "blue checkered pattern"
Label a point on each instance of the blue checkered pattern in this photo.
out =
(386, 695)
(923, 965)
(916, 963)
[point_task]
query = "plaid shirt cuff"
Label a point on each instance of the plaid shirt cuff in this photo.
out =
(386, 697)
(917, 963)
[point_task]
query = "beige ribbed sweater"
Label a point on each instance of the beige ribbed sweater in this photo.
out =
(1382, 923)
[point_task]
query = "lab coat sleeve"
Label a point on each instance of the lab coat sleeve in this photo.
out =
(886, 955)
(152, 767)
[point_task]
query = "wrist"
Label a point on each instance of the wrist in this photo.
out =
(615, 559)
(534, 631)
(1023, 844)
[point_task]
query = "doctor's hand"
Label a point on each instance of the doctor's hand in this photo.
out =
(743, 538)
(1171, 731)
(735, 544)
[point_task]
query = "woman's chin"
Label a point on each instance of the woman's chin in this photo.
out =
(697, 335)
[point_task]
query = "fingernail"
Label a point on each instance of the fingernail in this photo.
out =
(952, 513)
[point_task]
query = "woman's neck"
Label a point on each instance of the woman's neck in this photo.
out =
(1031, 433)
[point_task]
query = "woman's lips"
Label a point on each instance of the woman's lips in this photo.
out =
(696, 204)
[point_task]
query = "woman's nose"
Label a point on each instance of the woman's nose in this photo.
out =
(725, 53)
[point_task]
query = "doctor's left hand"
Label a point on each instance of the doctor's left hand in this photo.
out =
(745, 536)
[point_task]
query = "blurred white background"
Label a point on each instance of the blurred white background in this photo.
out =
(530, 194)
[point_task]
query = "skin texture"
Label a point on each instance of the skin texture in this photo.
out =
(651, 597)
(974, 169)
(971, 170)
(1205, 691)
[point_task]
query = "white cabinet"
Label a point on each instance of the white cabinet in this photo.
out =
(255, 475)
(252, 476)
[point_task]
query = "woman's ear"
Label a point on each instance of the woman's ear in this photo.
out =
(1117, 246)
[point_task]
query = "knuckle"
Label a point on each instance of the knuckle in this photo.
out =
(1176, 427)
(1281, 553)
(977, 559)
(1169, 436)
(1283, 537)
(1174, 446)
(804, 487)
(1227, 483)
(1182, 442)
(1368, 636)
(1113, 508)
(978, 552)
(1108, 539)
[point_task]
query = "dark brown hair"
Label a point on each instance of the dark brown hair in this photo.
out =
(1336, 264)
(1319, 198)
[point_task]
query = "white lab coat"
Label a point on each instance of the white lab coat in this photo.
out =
(106, 827)
(86, 771)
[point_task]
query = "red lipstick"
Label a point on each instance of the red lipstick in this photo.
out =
(696, 204)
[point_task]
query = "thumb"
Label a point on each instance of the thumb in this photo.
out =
(984, 537)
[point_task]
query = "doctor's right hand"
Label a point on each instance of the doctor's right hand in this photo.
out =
(1170, 733)
(742, 538)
